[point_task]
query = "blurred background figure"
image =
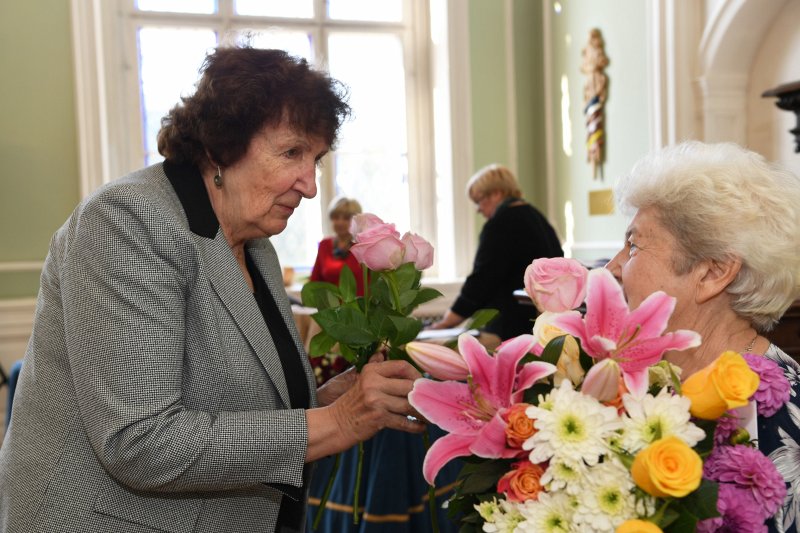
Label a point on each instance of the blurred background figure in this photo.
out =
(333, 254)
(514, 235)
(334, 251)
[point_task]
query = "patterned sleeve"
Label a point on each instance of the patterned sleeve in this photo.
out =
(778, 438)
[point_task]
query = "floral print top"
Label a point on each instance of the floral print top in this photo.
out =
(778, 438)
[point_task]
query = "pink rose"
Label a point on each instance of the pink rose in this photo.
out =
(556, 284)
(363, 226)
(418, 251)
(378, 244)
(381, 253)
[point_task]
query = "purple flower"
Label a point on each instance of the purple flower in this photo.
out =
(774, 389)
(726, 427)
(749, 471)
(739, 513)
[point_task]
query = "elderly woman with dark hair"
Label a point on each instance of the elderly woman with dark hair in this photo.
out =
(165, 387)
(718, 228)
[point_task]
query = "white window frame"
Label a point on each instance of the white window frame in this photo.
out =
(107, 102)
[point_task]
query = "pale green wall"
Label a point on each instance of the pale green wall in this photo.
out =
(623, 24)
(529, 86)
(38, 146)
(488, 74)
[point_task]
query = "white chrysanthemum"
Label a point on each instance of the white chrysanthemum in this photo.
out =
(501, 517)
(488, 509)
(564, 476)
(573, 429)
(607, 499)
(652, 418)
(550, 513)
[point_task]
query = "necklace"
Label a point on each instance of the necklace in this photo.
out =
(749, 347)
(341, 249)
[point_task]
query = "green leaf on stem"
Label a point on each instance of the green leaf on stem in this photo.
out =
(425, 294)
(347, 284)
(320, 294)
(481, 317)
(406, 299)
(481, 477)
(407, 329)
(584, 358)
(699, 505)
(707, 444)
(531, 395)
(347, 325)
(320, 344)
(379, 322)
(407, 277)
(552, 351)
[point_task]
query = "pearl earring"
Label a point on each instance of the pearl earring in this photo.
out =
(218, 179)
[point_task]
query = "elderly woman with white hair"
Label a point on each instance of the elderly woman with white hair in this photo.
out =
(718, 227)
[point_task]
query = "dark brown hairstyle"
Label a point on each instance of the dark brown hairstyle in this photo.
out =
(241, 91)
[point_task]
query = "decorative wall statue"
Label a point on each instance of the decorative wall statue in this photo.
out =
(595, 91)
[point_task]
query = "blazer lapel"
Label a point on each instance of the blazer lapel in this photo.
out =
(266, 259)
(227, 280)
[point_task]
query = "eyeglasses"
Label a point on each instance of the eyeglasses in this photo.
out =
(480, 199)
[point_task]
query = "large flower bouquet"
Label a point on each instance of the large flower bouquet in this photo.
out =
(581, 426)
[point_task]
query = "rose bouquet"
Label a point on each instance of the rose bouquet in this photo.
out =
(381, 320)
(582, 427)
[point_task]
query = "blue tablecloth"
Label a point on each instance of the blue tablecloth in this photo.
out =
(394, 495)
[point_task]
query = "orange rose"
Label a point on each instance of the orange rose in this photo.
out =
(727, 383)
(668, 467)
(522, 482)
(519, 426)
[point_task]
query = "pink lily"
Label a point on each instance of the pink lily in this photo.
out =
(439, 361)
(471, 413)
(631, 338)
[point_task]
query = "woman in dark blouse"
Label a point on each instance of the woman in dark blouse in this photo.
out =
(514, 235)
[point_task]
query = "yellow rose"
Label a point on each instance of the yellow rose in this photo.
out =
(638, 526)
(727, 383)
(668, 467)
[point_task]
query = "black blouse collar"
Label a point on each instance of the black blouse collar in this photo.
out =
(188, 185)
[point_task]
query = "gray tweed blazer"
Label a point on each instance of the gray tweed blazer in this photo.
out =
(152, 397)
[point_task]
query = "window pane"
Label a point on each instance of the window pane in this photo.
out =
(169, 60)
(371, 158)
(384, 10)
(275, 8)
(297, 43)
(178, 6)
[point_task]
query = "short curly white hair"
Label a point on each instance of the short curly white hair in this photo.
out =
(722, 201)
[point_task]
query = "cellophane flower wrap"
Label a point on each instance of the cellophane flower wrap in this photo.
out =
(380, 320)
(582, 427)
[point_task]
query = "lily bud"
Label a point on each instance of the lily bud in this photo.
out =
(602, 380)
(439, 361)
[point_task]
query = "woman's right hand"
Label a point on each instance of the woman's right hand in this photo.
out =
(377, 399)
